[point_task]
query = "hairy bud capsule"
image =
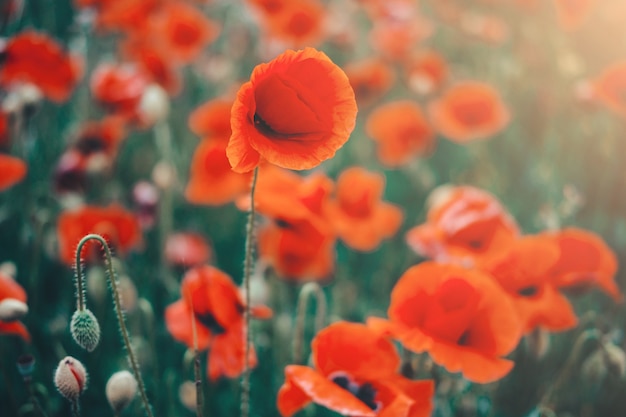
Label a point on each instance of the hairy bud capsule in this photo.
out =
(70, 378)
(85, 329)
(120, 390)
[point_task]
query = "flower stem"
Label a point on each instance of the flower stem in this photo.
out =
(118, 308)
(310, 288)
(196, 368)
(247, 271)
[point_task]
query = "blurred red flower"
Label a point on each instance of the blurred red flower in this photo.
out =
(425, 72)
(211, 299)
(370, 79)
(609, 88)
(119, 227)
(401, 132)
(469, 111)
(12, 171)
(354, 374)
(35, 58)
(212, 119)
(187, 249)
(295, 112)
(359, 216)
(119, 88)
(11, 290)
(461, 317)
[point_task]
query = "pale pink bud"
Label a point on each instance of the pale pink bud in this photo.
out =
(120, 390)
(70, 378)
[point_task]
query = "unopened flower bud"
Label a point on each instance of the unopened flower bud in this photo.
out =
(85, 329)
(120, 390)
(12, 309)
(154, 105)
(70, 378)
(187, 394)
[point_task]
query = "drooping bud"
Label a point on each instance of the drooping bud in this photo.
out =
(12, 309)
(85, 329)
(70, 378)
(120, 390)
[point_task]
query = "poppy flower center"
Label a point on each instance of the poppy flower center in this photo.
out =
(528, 291)
(472, 113)
(208, 320)
(364, 392)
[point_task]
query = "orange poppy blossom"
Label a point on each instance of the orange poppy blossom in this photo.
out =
(211, 179)
(609, 88)
(295, 112)
(401, 132)
(370, 79)
(354, 374)
(187, 249)
(461, 317)
(524, 273)
(571, 14)
(35, 58)
(463, 224)
(212, 119)
(425, 72)
(211, 300)
(119, 227)
(11, 290)
(12, 171)
(585, 260)
(469, 111)
(119, 87)
(153, 62)
(359, 216)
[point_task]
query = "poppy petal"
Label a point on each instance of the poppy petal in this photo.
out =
(16, 328)
(12, 171)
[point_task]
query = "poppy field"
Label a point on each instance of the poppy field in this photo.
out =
(263, 208)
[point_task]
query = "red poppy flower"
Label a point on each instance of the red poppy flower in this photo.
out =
(295, 112)
(345, 380)
(119, 88)
(463, 224)
(463, 319)
(211, 299)
(298, 23)
(298, 249)
(358, 215)
(469, 111)
(585, 260)
(523, 272)
(99, 141)
(370, 79)
(12, 171)
(123, 15)
(4, 130)
(11, 290)
(571, 14)
(401, 132)
(154, 62)
(211, 180)
(119, 227)
(609, 88)
(269, 7)
(187, 249)
(212, 119)
(34, 58)
(426, 72)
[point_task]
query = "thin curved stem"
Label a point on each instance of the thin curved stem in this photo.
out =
(118, 310)
(247, 271)
(310, 288)
(196, 367)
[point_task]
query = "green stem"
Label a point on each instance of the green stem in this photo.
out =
(310, 288)
(196, 367)
(118, 308)
(75, 408)
(247, 271)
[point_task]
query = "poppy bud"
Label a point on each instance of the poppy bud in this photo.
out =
(85, 329)
(12, 309)
(120, 390)
(154, 105)
(70, 378)
(187, 394)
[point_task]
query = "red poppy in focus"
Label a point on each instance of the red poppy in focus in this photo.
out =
(34, 58)
(426, 72)
(12, 171)
(585, 260)
(461, 317)
(298, 249)
(370, 79)
(354, 374)
(12, 292)
(187, 249)
(523, 272)
(211, 180)
(119, 88)
(213, 302)
(358, 214)
(609, 88)
(295, 112)
(571, 14)
(463, 224)
(212, 119)
(119, 227)
(469, 111)
(401, 132)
